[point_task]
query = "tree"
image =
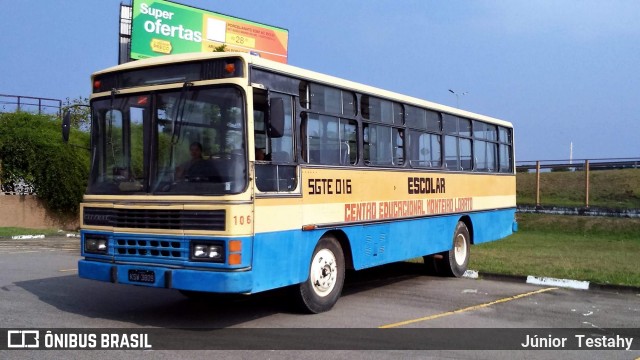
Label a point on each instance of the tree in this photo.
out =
(32, 152)
(221, 48)
(80, 113)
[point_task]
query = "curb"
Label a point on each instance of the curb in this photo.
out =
(548, 281)
(39, 236)
(24, 237)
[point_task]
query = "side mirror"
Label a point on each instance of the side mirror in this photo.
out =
(66, 126)
(276, 117)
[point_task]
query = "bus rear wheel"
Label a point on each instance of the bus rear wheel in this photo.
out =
(452, 263)
(326, 277)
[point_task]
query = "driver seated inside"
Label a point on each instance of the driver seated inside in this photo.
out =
(184, 170)
(261, 155)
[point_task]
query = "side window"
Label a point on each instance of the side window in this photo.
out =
(422, 119)
(451, 158)
(329, 140)
(380, 110)
(505, 154)
(464, 127)
(425, 141)
(383, 145)
(449, 124)
(260, 129)
(425, 150)
(486, 155)
(485, 148)
(328, 137)
(485, 131)
(280, 150)
(457, 143)
(325, 99)
(275, 168)
(465, 154)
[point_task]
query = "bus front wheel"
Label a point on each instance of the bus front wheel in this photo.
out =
(326, 277)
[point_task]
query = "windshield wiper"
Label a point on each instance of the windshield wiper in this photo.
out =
(178, 115)
(114, 91)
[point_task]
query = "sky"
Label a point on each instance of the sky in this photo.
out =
(563, 72)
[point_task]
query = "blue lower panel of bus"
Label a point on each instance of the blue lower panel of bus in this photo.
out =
(283, 258)
(155, 276)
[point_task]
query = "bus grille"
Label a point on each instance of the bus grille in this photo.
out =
(167, 249)
(155, 219)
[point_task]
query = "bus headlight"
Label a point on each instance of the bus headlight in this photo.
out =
(209, 252)
(95, 244)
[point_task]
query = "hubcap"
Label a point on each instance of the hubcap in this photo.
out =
(323, 272)
(460, 250)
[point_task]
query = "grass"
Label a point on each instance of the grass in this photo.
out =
(619, 189)
(14, 231)
(601, 250)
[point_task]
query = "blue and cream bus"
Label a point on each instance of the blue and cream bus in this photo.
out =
(227, 173)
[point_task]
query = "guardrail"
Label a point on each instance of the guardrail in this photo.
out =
(578, 165)
(581, 165)
(590, 211)
(13, 103)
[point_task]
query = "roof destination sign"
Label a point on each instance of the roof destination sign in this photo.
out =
(161, 27)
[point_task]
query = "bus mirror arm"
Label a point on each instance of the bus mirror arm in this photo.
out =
(66, 121)
(66, 126)
(276, 117)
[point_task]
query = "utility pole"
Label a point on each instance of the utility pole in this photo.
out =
(571, 153)
(458, 96)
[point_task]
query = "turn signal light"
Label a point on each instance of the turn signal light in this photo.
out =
(235, 246)
(235, 259)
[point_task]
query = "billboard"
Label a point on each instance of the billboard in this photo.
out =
(162, 27)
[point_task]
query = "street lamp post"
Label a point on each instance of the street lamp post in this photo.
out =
(458, 96)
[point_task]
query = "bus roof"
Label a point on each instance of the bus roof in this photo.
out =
(307, 75)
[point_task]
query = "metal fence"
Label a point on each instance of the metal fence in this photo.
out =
(38, 105)
(578, 164)
(580, 187)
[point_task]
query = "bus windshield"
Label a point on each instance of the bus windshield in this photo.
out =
(189, 141)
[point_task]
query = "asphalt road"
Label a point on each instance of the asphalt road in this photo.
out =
(39, 288)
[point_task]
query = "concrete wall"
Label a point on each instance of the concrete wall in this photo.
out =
(27, 211)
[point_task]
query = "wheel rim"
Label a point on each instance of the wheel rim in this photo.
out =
(323, 272)
(460, 249)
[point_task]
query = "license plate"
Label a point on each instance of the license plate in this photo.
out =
(143, 276)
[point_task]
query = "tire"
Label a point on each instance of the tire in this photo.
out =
(432, 264)
(455, 261)
(320, 292)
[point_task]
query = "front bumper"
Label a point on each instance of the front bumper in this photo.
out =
(209, 280)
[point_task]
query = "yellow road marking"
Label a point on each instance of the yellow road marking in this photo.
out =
(68, 270)
(470, 308)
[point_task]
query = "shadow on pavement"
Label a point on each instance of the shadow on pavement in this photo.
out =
(145, 306)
